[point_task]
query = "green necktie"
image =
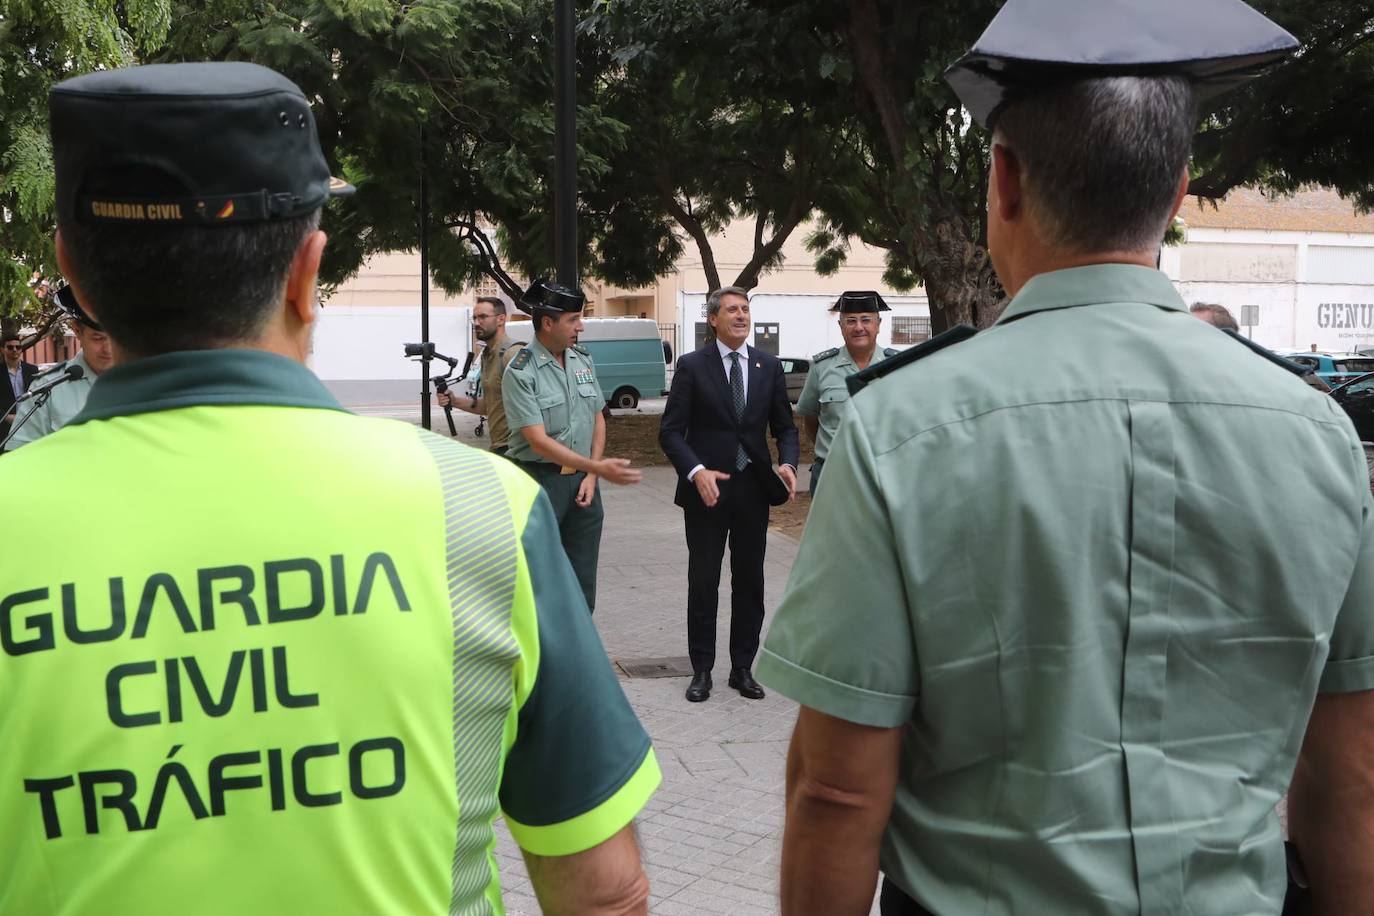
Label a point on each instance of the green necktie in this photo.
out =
(737, 392)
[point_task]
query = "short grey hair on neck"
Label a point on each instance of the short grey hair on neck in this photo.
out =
(1102, 158)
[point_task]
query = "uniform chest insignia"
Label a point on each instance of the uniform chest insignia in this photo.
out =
(584, 377)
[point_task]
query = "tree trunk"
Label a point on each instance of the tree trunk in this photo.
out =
(960, 283)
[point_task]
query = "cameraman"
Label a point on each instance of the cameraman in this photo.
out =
(489, 317)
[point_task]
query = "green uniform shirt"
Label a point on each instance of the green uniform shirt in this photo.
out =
(1098, 572)
(564, 398)
(296, 661)
(63, 403)
(824, 395)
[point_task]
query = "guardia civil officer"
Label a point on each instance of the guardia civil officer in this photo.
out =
(1056, 638)
(308, 657)
(824, 396)
(558, 432)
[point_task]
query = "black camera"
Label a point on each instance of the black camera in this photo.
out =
(423, 350)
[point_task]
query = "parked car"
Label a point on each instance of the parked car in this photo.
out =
(1310, 376)
(1333, 368)
(1357, 399)
(794, 370)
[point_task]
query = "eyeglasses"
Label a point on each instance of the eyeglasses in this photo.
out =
(866, 321)
(15, 347)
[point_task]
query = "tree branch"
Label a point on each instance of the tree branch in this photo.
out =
(865, 34)
(486, 253)
(692, 226)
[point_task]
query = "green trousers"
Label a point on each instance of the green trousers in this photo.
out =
(579, 527)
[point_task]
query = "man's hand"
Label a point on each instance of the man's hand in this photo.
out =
(586, 491)
(617, 471)
(443, 398)
(789, 476)
(707, 487)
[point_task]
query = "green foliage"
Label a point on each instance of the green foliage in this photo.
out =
(41, 43)
(693, 114)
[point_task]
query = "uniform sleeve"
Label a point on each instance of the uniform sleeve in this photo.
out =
(841, 641)
(809, 404)
(35, 427)
(1350, 665)
(581, 766)
(518, 398)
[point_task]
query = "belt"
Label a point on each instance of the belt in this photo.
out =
(563, 469)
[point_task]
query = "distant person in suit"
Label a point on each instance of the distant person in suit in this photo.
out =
(20, 374)
(725, 398)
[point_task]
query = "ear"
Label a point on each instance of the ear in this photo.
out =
(64, 264)
(1007, 180)
(305, 270)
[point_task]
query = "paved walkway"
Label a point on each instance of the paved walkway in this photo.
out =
(711, 835)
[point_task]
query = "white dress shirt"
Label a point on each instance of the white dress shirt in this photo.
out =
(725, 352)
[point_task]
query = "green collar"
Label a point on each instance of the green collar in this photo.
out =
(1097, 284)
(196, 377)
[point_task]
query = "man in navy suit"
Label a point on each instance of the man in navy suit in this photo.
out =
(724, 400)
(19, 374)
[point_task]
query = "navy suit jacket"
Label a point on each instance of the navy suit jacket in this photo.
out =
(28, 371)
(699, 425)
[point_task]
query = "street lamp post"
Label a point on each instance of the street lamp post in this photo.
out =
(424, 279)
(565, 142)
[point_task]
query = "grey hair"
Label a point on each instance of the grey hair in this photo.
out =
(1216, 314)
(713, 300)
(1102, 158)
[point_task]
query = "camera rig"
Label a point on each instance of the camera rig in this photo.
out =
(425, 352)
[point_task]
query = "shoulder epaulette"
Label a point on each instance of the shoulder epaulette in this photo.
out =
(521, 358)
(581, 349)
(957, 334)
(1267, 354)
(825, 354)
(510, 345)
(888, 352)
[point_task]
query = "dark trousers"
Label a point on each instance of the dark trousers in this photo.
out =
(739, 518)
(816, 467)
(893, 901)
(579, 527)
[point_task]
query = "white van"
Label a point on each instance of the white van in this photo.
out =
(631, 358)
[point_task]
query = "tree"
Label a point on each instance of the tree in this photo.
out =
(722, 131)
(922, 199)
(41, 43)
(474, 79)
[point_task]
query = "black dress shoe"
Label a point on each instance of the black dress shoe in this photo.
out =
(700, 688)
(744, 682)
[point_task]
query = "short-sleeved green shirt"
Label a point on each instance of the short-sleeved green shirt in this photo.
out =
(62, 404)
(564, 398)
(1098, 572)
(825, 396)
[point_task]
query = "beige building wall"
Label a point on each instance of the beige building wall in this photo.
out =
(393, 279)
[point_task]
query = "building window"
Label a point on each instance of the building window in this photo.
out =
(910, 329)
